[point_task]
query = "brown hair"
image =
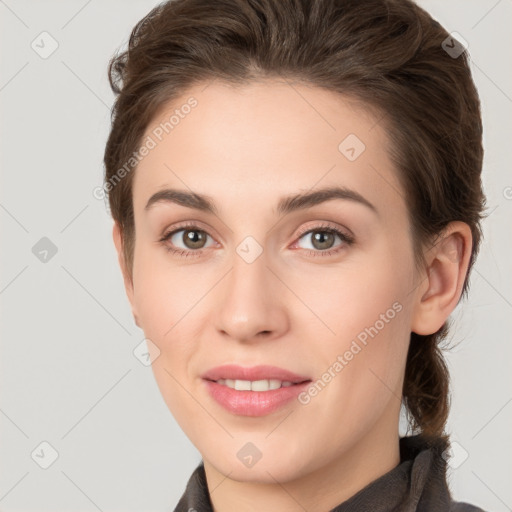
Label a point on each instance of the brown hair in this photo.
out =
(388, 54)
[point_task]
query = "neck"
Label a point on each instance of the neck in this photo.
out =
(372, 456)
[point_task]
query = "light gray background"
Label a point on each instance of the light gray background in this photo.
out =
(68, 374)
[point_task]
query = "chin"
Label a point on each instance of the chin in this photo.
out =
(276, 465)
(264, 473)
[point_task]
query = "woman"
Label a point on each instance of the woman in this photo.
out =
(297, 201)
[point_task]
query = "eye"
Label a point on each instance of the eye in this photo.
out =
(189, 240)
(186, 240)
(322, 240)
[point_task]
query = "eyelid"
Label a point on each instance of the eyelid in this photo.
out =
(184, 225)
(326, 225)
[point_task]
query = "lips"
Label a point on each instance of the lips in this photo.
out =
(254, 373)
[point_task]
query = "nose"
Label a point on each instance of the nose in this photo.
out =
(251, 303)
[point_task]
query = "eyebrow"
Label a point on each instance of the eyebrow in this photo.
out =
(286, 205)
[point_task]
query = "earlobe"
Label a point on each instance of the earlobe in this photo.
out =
(128, 284)
(439, 292)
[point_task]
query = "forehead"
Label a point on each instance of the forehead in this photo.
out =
(265, 138)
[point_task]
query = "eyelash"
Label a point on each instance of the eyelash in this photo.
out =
(345, 238)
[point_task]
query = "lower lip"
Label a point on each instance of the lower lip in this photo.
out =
(253, 403)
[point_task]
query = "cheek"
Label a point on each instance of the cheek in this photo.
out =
(360, 371)
(366, 308)
(164, 293)
(360, 300)
(167, 300)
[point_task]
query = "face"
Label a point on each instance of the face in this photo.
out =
(320, 287)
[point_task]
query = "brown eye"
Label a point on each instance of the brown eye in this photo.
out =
(186, 239)
(322, 240)
(193, 238)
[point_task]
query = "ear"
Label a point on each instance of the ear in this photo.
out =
(439, 292)
(128, 283)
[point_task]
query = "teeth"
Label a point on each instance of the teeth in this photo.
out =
(254, 385)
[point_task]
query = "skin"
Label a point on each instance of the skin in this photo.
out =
(246, 147)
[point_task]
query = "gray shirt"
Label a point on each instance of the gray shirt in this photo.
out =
(417, 484)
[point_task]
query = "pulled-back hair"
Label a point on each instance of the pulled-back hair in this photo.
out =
(388, 54)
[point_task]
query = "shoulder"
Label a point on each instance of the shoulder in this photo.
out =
(459, 506)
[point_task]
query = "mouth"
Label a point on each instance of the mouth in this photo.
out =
(256, 385)
(254, 391)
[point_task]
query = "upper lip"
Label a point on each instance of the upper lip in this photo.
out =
(261, 372)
